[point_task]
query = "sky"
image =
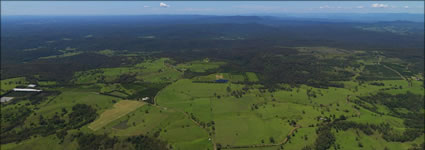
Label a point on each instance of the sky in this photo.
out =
(205, 7)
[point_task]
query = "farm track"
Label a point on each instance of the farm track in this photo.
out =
(395, 71)
(389, 68)
(401, 76)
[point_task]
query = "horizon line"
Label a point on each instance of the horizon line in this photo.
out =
(173, 14)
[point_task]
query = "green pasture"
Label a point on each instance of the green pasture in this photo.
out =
(9, 84)
(252, 77)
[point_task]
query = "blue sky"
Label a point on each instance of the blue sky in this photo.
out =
(205, 7)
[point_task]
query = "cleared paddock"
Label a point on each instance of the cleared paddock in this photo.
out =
(119, 110)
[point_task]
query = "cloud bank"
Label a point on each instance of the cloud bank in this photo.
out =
(163, 5)
(379, 5)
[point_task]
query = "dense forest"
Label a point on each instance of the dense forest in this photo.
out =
(250, 43)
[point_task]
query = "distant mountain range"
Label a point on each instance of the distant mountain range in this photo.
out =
(366, 17)
(250, 18)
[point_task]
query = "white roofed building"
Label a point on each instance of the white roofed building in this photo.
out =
(26, 90)
(31, 85)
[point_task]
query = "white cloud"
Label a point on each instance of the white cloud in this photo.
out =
(360, 7)
(163, 5)
(326, 6)
(379, 5)
(406, 6)
(331, 7)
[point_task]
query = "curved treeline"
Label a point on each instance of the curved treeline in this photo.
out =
(89, 141)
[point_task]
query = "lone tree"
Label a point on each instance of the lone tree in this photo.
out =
(271, 139)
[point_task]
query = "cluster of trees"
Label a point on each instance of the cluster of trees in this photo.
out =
(90, 141)
(198, 81)
(311, 93)
(81, 115)
(409, 134)
(254, 106)
(377, 83)
(345, 125)
(325, 138)
(189, 74)
(388, 133)
(412, 102)
(237, 93)
(126, 78)
(95, 142)
(413, 120)
(144, 142)
(110, 93)
(13, 117)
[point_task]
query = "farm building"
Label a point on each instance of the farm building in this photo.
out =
(31, 85)
(221, 81)
(145, 98)
(26, 90)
